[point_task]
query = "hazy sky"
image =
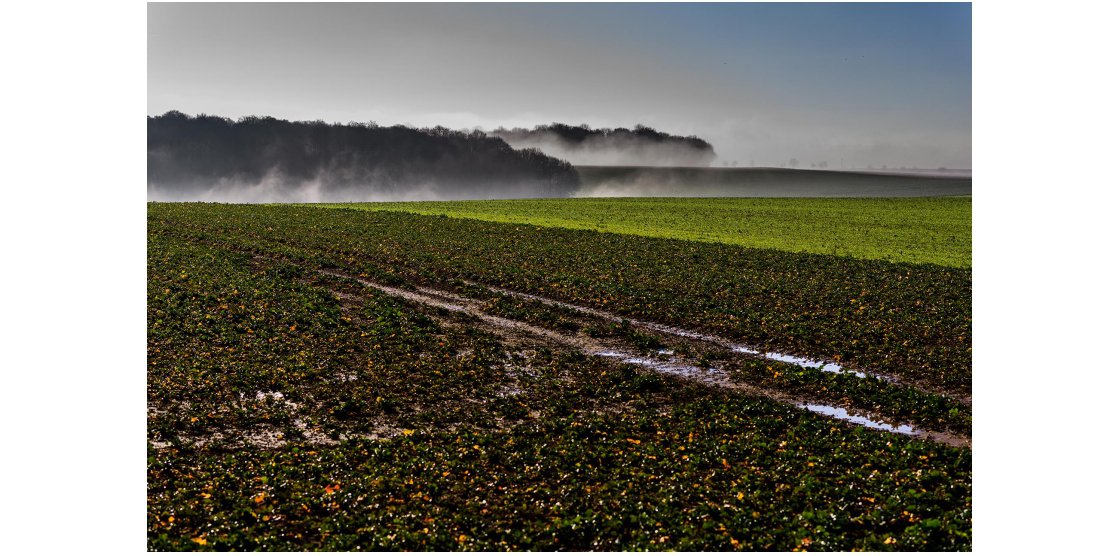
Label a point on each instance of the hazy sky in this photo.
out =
(862, 84)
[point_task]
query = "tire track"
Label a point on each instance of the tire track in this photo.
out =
(449, 301)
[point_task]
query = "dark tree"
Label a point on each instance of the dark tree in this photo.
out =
(345, 161)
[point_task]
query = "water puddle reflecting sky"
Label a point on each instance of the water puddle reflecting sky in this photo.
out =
(841, 413)
(802, 362)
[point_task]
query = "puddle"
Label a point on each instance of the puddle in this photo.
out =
(841, 413)
(669, 367)
(715, 376)
(805, 362)
(811, 364)
(678, 331)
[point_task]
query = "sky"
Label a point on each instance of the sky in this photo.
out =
(853, 85)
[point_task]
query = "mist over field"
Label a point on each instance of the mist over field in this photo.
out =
(262, 159)
(267, 160)
(275, 187)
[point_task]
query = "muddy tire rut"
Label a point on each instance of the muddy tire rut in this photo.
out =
(618, 352)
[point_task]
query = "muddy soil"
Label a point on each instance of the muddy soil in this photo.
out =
(666, 361)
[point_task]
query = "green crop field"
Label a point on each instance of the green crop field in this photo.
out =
(334, 379)
(935, 230)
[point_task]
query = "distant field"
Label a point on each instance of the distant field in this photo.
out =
(934, 230)
(647, 181)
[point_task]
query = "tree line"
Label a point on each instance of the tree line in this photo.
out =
(361, 160)
(619, 146)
